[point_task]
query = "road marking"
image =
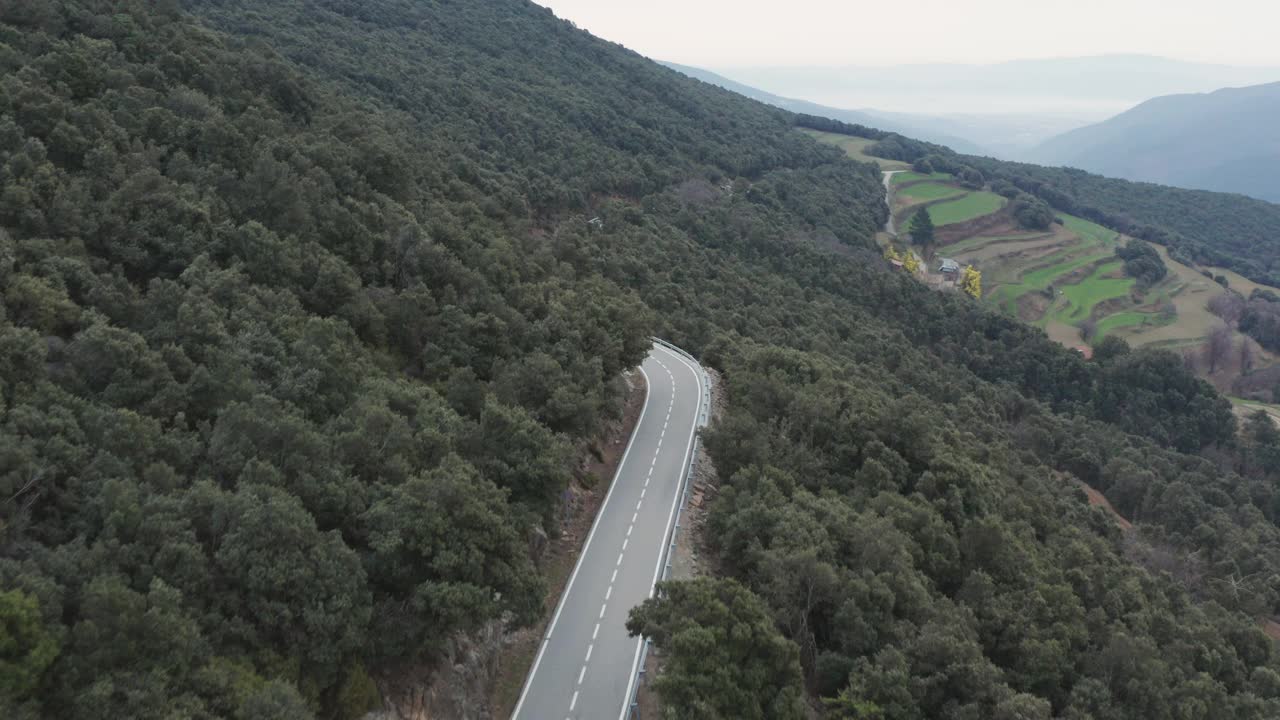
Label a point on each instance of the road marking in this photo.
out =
(638, 503)
(608, 593)
(634, 515)
(595, 524)
(574, 702)
(581, 673)
(624, 544)
(619, 560)
(590, 647)
(614, 579)
(675, 503)
(643, 489)
(603, 606)
(629, 527)
(595, 632)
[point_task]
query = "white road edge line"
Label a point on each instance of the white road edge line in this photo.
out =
(542, 649)
(684, 468)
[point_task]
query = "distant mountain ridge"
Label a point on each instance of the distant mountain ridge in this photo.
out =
(1106, 84)
(893, 122)
(1227, 141)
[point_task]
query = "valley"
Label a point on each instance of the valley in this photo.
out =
(1066, 280)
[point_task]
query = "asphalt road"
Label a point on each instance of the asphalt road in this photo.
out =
(585, 665)
(888, 198)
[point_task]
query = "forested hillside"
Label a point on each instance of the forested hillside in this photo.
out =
(304, 313)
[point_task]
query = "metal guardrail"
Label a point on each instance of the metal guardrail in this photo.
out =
(686, 482)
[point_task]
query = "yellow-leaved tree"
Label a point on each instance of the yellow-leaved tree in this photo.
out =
(891, 253)
(911, 263)
(971, 281)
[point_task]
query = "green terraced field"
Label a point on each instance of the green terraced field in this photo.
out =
(1088, 231)
(1045, 276)
(973, 205)
(1097, 288)
(930, 191)
(905, 177)
(1126, 319)
(976, 243)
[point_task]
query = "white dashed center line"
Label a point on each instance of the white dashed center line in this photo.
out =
(608, 593)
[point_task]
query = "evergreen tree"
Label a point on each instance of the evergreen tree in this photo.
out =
(921, 228)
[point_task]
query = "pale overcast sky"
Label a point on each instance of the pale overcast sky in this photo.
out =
(727, 33)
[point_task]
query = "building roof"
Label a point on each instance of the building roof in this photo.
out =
(949, 265)
(1084, 350)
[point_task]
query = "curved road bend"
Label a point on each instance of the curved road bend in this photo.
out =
(586, 662)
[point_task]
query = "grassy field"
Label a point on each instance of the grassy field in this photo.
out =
(1099, 287)
(929, 191)
(1088, 231)
(905, 177)
(973, 205)
(1120, 320)
(1188, 293)
(1240, 283)
(855, 147)
(1043, 277)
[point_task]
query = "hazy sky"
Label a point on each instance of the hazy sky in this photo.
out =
(727, 33)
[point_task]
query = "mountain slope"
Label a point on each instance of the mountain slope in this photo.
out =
(305, 314)
(1224, 141)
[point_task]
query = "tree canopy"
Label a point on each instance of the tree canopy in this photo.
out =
(309, 307)
(921, 227)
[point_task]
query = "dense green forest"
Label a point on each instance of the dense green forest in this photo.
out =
(305, 314)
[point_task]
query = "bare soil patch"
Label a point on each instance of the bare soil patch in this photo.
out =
(1002, 249)
(1097, 499)
(997, 223)
(1032, 306)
